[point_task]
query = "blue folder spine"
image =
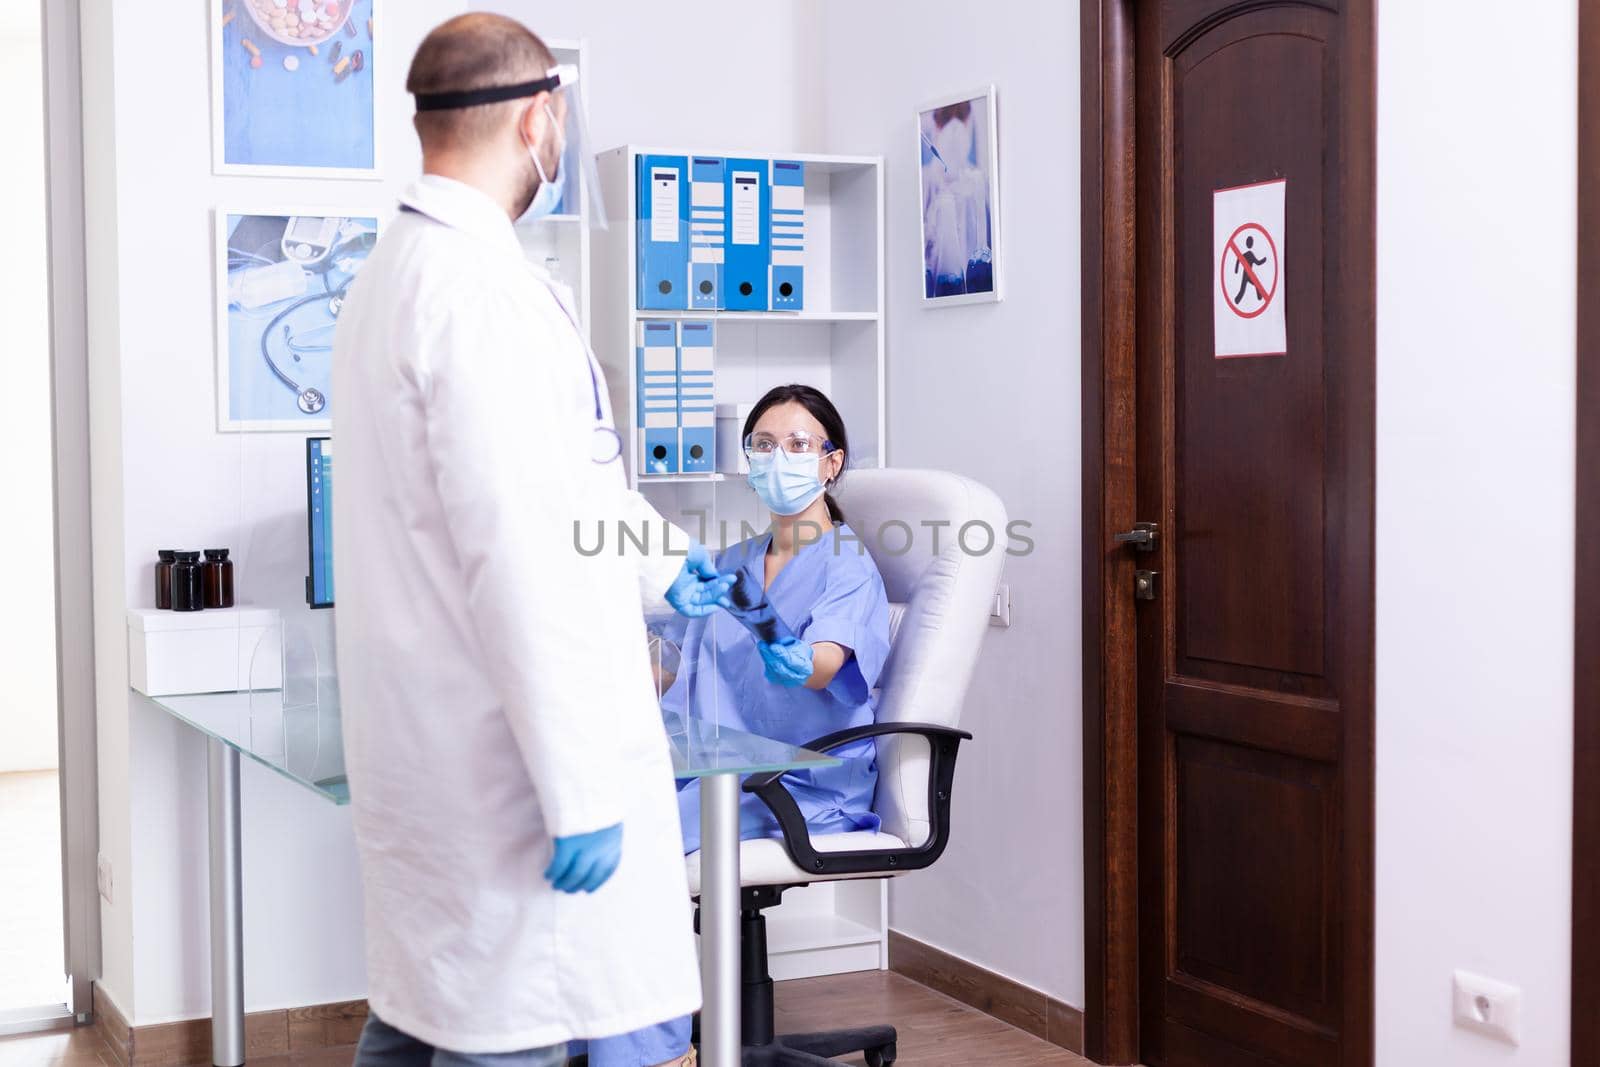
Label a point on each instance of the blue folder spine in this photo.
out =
(662, 239)
(787, 281)
(658, 397)
(697, 409)
(748, 235)
(708, 228)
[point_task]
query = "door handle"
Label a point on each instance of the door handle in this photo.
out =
(1141, 537)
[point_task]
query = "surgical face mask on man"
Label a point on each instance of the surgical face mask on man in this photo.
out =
(786, 483)
(546, 198)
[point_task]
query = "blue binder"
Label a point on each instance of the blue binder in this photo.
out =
(787, 282)
(658, 397)
(708, 227)
(744, 273)
(663, 233)
(697, 410)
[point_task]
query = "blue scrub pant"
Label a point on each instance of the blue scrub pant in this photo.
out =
(661, 1043)
(384, 1046)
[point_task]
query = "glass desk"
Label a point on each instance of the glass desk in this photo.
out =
(302, 740)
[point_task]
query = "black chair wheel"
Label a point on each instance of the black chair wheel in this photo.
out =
(881, 1056)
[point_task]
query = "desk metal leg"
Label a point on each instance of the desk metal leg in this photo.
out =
(719, 920)
(227, 908)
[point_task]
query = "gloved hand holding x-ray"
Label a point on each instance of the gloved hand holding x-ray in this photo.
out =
(699, 589)
(747, 601)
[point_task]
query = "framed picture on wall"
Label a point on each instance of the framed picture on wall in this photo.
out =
(960, 167)
(292, 88)
(281, 276)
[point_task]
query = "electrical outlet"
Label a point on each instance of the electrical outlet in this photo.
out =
(102, 878)
(1000, 614)
(1489, 1007)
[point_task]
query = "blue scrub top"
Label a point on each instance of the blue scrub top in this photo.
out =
(830, 591)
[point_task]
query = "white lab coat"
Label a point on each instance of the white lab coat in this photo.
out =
(495, 683)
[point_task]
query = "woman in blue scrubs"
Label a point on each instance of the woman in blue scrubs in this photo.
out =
(818, 576)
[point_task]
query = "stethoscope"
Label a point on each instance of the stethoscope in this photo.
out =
(308, 398)
(605, 443)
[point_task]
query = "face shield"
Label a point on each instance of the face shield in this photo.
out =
(577, 151)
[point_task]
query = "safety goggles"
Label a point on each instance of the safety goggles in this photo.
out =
(796, 443)
(577, 148)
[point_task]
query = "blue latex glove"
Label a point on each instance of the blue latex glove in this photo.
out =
(788, 662)
(698, 590)
(584, 862)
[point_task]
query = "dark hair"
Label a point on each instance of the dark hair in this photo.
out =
(473, 51)
(822, 409)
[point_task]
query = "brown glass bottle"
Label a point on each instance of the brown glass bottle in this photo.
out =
(165, 558)
(186, 589)
(216, 579)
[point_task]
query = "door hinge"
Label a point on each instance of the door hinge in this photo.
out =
(1144, 585)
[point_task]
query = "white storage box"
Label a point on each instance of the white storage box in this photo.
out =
(171, 653)
(730, 438)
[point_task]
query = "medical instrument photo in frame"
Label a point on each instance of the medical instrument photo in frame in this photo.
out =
(958, 147)
(281, 278)
(293, 89)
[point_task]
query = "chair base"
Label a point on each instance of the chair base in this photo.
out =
(813, 1050)
(818, 1050)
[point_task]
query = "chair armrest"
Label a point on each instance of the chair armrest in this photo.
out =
(840, 738)
(943, 743)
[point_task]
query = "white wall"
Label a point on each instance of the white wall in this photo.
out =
(731, 74)
(991, 391)
(103, 330)
(1476, 173)
(27, 537)
(1475, 439)
(165, 478)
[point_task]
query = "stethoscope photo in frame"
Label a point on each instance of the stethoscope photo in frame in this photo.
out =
(281, 282)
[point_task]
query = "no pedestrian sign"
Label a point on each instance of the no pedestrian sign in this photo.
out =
(1247, 243)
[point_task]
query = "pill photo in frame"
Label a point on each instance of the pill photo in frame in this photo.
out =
(281, 277)
(292, 88)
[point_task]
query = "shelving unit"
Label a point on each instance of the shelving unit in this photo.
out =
(564, 236)
(835, 344)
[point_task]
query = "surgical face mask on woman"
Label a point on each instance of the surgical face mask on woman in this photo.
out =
(786, 483)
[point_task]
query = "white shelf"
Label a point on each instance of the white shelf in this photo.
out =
(822, 164)
(562, 219)
(763, 316)
(840, 348)
(662, 479)
(802, 933)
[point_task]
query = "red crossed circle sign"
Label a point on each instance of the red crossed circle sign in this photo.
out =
(1235, 245)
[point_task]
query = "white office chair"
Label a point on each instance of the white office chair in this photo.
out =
(939, 612)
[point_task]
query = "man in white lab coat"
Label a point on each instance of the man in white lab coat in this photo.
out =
(501, 732)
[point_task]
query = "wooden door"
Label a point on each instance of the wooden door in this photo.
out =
(1254, 657)
(1586, 634)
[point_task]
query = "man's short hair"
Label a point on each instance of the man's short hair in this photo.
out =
(474, 51)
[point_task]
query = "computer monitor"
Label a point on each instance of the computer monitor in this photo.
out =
(319, 516)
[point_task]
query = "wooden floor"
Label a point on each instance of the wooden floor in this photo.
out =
(934, 1030)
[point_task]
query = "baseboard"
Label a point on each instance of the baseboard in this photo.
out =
(111, 1025)
(1009, 1001)
(266, 1033)
(298, 1030)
